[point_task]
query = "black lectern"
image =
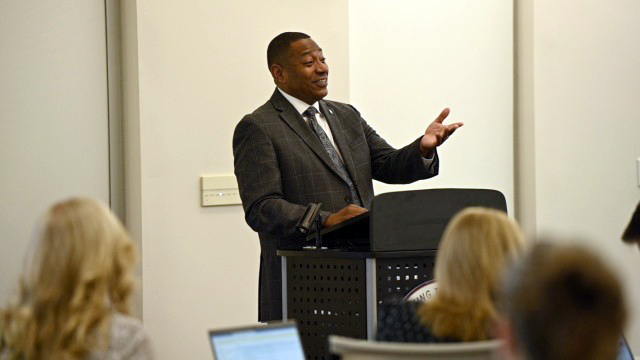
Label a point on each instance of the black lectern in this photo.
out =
(370, 259)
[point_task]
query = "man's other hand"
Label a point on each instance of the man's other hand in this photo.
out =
(344, 214)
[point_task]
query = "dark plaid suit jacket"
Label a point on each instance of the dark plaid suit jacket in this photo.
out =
(282, 166)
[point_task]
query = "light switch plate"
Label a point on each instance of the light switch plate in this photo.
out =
(219, 190)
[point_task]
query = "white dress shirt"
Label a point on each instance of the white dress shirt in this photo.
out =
(302, 106)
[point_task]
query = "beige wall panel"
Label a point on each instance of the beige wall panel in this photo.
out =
(53, 116)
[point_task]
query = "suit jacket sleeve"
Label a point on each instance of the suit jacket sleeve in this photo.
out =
(396, 166)
(259, 181)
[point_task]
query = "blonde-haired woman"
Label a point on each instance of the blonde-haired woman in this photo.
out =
(476, 247)
(73, 300)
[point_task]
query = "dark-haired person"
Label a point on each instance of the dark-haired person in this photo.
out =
(287, 156)
(632, 232)
(562, 302)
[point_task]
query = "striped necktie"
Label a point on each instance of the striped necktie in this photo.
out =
(310, 113)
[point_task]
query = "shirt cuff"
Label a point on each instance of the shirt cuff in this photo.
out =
(428, 162)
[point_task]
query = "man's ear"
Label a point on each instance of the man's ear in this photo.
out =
(279, 74)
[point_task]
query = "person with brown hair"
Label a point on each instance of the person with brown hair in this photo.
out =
(477, 245)
(74, 294)
(562, 302)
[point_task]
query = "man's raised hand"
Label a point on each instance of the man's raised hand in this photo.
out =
(437, 133)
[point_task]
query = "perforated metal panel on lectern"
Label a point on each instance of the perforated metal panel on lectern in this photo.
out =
(329, 292)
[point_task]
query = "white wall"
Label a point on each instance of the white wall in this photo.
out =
(429, 55)
(53, 116)
(587, 122)
(202, 66)
(201, 264)
(410, 59)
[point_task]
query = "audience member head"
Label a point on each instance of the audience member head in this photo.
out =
(562, 302)
(632, 232)
(78, 271)
(476, 246)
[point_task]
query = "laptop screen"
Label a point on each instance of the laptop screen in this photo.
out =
(274, 341)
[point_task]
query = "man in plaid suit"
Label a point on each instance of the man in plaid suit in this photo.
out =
(287, 156)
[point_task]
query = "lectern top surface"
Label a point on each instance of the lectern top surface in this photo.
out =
(348, 254)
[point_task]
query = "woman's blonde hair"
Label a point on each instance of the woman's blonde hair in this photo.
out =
(476, 246)
(77, 273)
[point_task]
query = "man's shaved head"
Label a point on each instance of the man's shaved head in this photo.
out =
(279, 46)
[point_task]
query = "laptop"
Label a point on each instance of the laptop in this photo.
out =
(272, 341)
(624, 352)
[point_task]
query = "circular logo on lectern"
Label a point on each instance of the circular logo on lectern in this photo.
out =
(423, 292)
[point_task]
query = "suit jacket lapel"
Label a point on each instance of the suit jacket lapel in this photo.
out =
(292, 118)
